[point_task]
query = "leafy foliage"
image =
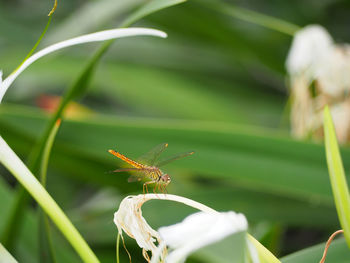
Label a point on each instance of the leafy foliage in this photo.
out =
(216, 86)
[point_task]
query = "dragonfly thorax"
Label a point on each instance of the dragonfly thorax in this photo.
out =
(158, 175)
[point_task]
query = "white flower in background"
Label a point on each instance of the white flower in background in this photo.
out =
(94, 37)
(196, 231)
(309, 47)
(319, 75)
(334, 74)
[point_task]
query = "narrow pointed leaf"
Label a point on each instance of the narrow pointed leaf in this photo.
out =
(149, 8)
(337, 175)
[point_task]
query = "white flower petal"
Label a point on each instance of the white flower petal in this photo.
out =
(310, 46)
(94, 37)
(199, 230)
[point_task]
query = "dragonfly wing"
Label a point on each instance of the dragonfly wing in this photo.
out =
(138, 174)
(135, 178)
(152, 156)
(173, 158)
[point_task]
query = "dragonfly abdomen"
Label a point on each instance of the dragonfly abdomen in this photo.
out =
(126, 159)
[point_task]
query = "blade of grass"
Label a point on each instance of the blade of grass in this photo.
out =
(46, 247)
(339, 185)
(11, 161)
(255, 17)
(147, 9)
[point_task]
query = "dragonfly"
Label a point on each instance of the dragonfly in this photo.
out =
(147, 167)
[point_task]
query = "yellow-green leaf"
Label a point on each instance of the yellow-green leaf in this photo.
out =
(336, 174)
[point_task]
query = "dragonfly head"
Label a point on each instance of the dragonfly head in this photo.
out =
(165, 179)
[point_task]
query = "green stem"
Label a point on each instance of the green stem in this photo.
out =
(117, 247)
(46, 247)
(36, 44)
(11, 161)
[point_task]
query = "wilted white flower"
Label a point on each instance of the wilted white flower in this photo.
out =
(341, 115)
(129, 219)
(196, 231)
(333, 75)
(94, 37)
(319, 76)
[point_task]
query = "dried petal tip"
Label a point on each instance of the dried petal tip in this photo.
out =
(58, 122)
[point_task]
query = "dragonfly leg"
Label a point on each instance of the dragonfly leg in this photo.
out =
(163, 189)
(154, 189)
(145, 186)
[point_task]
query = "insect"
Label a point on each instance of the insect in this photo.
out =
(147, 166)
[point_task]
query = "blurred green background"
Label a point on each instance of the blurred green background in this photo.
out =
(216, 85)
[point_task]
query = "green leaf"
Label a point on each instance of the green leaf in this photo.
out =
(149, 8)
(11, 161)
(26, 246)
(5, 256)
(255, 17)
(340, 187)
(283, 175)
(338, 252)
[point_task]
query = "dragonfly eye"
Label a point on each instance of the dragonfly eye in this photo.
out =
(166, 178)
